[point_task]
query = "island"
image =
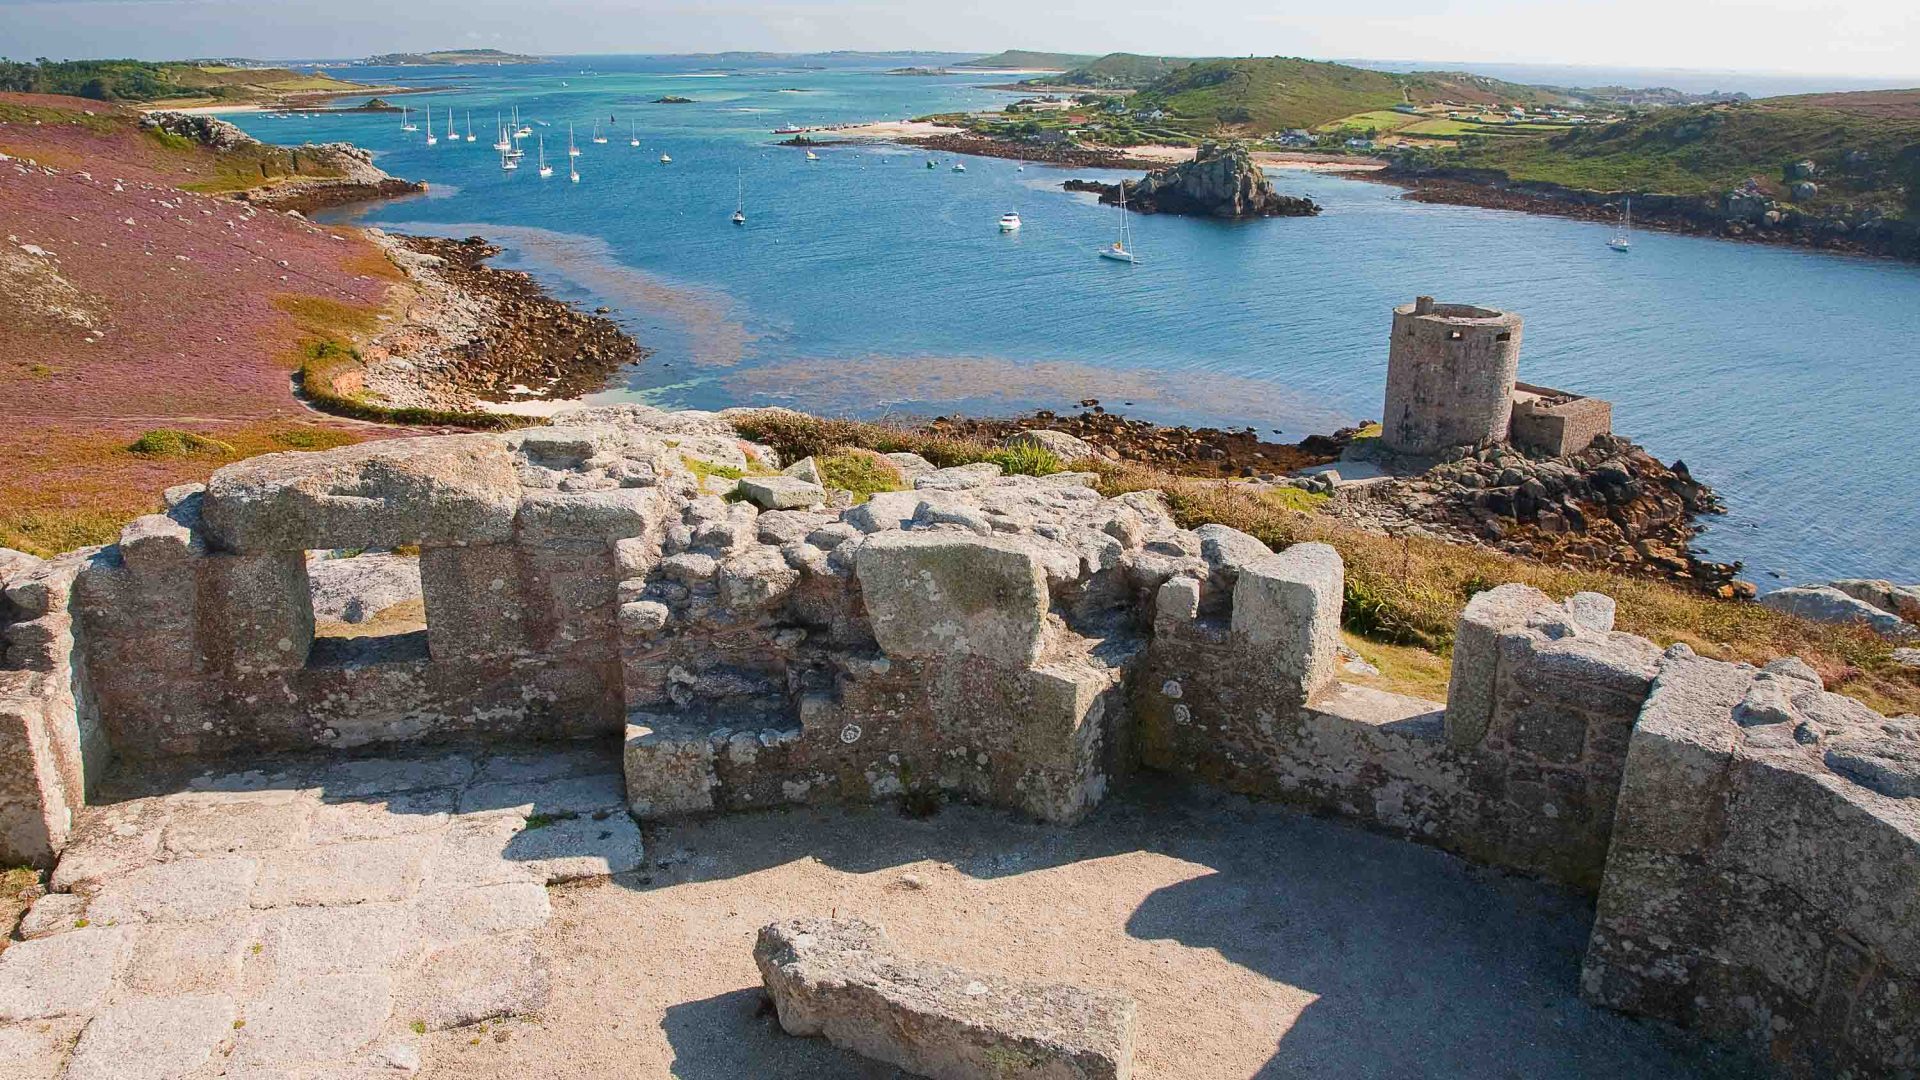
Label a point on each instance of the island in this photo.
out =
(449, 58)
(673, 99)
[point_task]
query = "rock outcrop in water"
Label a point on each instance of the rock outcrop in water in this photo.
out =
(1221, 181)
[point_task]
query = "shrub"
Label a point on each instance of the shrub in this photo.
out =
(168, 443)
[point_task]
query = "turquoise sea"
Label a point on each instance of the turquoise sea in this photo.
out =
(867, 284)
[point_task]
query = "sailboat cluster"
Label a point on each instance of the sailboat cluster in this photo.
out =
(512, 132)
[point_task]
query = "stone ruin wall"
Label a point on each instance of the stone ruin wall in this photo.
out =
(1753, 840)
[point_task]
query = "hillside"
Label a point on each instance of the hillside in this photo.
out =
(173, 82)
(1277, 93)
(446, 57)
(148, 333)
(1018, 59)
(1119, 71)
(1865, 148)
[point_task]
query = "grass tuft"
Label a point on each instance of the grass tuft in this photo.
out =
(169, 443)
(864, 472)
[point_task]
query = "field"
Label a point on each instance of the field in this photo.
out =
(1276, 93)
(129, 306)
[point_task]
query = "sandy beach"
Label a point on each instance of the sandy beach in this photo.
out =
(891, 129)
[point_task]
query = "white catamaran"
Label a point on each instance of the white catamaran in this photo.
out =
(1622, 239)
(1121, 250)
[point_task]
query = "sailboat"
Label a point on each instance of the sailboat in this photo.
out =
(572, 150)
(1121, 250)
(1622, 239)
(546, 170)
(430, 139)
(633, 134)
(573, 172)
(666, 158)
(406, 122)
(508, 162)
(740, 208)
(811, 156)
(452, 135)
(597, 137)
(503, 144)
(470, 125)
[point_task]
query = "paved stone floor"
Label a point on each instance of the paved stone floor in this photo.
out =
(304, 920)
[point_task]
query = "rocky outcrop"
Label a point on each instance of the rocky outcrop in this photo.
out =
(1836, 604)
(843, 979)
(205, 130)
(1221, 181)
(1612, 505)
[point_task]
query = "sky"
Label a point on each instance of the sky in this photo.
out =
(1872, 39)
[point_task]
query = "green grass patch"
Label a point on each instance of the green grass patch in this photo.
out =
(864, 472)
(1024, 459)
(170, 443)
(704, 470)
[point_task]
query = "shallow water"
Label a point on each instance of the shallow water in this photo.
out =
(866, 283)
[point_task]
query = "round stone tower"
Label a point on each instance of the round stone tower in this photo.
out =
(1450, 375)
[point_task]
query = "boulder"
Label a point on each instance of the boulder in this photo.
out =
(441, 489)
(843, 979)
(1058, 443)
(1824, 603)
(1901, 600)
(948, 593)
(780, 492)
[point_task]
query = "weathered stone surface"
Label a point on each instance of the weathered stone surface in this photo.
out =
(355, 590)
(152, 1039)
(1289, 604)
(368, 938)
(184, 890)
(1592, 610)
(448, 916)
(500, 975)
(564, 795)
(53, 913)
(38, 1049)
(1824, 603)
(780, 492)
(939, 594)
(381, 494)
(62, 975)
(313, 1020)
(842, 979)
(1476, 656)
(668, 771)
(172, 959)
(585, 845)
(355, 873)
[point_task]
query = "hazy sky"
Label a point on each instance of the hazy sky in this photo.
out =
(1869, 38)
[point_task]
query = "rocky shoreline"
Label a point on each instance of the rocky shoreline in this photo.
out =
(1734, 215)
(474, 335)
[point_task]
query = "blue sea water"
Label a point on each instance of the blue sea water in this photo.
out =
(868, 284)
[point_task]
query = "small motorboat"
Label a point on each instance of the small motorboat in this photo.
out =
(1009, 221)
(959, 167)
(811, 156)
(666, 159)
(929, 163)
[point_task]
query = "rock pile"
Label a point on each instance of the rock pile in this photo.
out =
(1221, 181)
(1185, 451)
(1612, 505)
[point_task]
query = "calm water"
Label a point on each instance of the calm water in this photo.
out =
(867, 284)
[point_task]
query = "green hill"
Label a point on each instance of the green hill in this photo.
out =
(1015, 59)
(1276, 93)
(1121, 71)
(141, 80)
(1865, 148)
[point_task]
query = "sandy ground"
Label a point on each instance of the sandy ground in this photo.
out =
(889, 129)
(1259, 943)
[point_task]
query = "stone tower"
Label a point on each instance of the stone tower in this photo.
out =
(1450, 375)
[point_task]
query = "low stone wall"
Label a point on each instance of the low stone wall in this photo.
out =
(52, 748)
(1555, 423)
(1020, 641)
(1764, 880)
